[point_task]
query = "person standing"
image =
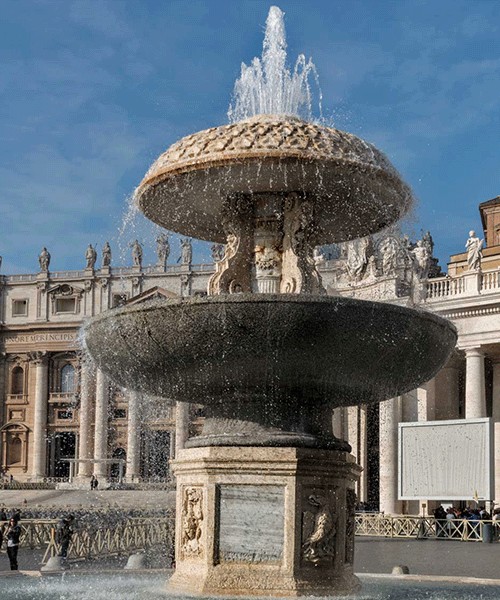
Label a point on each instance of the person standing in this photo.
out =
(13, 535)
(92, 482)
(64, 535)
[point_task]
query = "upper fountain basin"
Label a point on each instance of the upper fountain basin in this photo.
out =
(353, 186)
(269, 348)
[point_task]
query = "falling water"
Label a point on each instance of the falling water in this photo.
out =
(267, 86)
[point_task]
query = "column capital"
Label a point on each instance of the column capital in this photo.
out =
(38, 357)
(476, 351)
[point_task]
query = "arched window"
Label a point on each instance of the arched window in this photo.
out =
(68, 379)
(17, 382)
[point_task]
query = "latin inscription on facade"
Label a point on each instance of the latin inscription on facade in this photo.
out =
(251, 523)
(37, 338)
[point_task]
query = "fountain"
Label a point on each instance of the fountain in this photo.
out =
(265, 495)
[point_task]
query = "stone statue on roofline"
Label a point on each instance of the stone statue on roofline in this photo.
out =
(162, 250)
(474, 255)
(106, 255)
(136, 253)
(421, 259)
(186, 251)
(44, 260)
(90, 257)
(389, 252)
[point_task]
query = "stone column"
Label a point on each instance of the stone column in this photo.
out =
(338, 423)
(497, 462)
(496, 419)
(475, 398)
(496, 393)
(39, 452)
(426, 401)
(101, 424)
(85, 412)
(3, 385)
(447, 392)
(389, 419)
(133, 437)
(356, 436)
(181, 425)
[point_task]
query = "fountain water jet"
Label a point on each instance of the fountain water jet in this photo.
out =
(267, 86)
(265, 496)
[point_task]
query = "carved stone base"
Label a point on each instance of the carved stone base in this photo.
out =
(264, 521)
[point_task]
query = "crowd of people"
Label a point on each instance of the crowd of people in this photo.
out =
(450, 521)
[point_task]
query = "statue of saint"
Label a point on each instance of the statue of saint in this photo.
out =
(186, 251)
(44, 260)
(218, 251)
(474, 254)
(428, 243)
(357, 258)
(106, 255)
(90, 257)
(0, 262)
(389, 251)
(422, 259)
(136, 254)
(162, 249)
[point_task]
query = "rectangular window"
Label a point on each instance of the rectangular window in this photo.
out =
(119, 300)
(119, 413)
(64, 415)
(65, 305)
(20, 308)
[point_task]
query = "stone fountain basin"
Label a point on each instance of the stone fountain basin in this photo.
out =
(353, 187)
(266, 349)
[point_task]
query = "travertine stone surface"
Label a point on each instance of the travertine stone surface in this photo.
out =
(262, 521)
(354, 188)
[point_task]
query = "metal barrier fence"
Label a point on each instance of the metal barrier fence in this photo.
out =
(426, 528)
(93, 542)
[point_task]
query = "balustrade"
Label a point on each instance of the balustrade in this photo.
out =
(414, 526)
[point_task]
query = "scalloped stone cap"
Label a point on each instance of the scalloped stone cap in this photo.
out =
(354, 187)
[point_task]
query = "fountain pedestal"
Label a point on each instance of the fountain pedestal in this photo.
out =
(262, 520)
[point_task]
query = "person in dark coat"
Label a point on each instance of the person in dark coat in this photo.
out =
(13, 535)
(64, 535)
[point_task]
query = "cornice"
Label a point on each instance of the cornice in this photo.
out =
(473, 311)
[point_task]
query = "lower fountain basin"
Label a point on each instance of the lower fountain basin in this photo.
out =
(269, 350)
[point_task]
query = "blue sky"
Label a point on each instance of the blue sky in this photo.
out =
(91, 92)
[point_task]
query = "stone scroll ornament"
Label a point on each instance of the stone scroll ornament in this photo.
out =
(192, 522)
(319, 530)
(299, 270)
(232, 272)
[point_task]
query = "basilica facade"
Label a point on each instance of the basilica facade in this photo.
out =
(61, 418)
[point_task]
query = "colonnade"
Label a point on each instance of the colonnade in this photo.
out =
(93, 428)
(436, 400)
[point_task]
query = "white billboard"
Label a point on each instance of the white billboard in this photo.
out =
(446, 460)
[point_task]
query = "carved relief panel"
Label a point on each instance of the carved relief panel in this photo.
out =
(319, 526)
(192, 523)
